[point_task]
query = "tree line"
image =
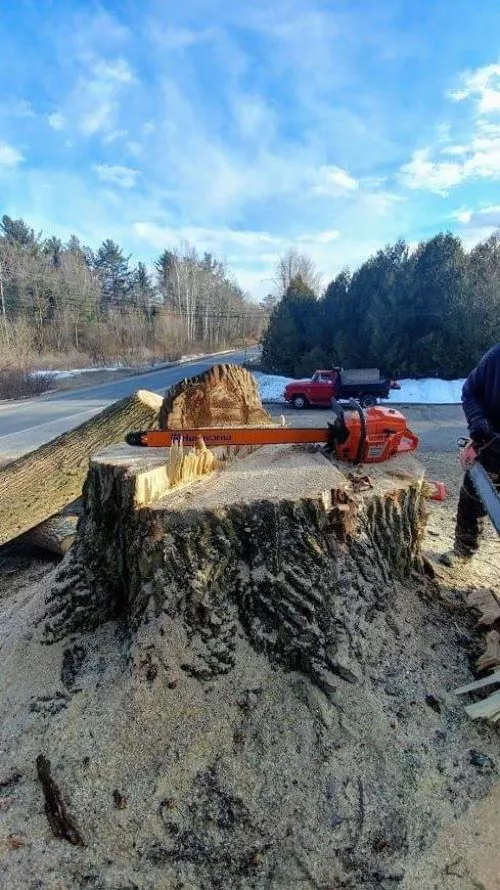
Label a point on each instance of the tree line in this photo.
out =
(58, 299)
(432, 311)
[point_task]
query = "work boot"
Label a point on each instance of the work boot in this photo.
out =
(455, 558)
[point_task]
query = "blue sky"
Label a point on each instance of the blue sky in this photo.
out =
(247, 127)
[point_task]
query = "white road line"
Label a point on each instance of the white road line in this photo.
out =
(51, 422)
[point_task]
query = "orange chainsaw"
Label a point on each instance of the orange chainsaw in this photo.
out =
(360, 436)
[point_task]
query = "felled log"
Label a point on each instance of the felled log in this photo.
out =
(224, 395)
(55, 534)
(42, 482)
(279, 546)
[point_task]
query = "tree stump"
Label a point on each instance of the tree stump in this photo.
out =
(39, 484)
(282, 546)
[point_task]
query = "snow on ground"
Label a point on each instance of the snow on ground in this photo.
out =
(73, 372)
(428, 391)
(271, 386)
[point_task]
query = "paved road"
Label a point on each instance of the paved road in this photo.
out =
(26, 424)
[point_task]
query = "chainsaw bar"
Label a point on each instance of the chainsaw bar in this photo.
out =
(486, 493)
(231, 436)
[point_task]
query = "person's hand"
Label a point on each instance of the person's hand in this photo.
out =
(480, 432)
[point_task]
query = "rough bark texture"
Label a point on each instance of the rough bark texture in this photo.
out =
(279, 545)
(224, 395)
(38, 485)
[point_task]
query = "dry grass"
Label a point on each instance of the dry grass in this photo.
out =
(16, 383)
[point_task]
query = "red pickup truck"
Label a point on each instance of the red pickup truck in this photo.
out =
(365, 385)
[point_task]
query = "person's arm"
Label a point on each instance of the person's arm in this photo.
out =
(472, 401)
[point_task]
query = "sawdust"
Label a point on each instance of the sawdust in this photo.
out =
(258, 779)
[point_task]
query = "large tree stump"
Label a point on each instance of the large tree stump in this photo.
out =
(42, 482)
(281, 546)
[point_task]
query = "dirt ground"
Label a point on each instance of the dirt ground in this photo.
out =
(465, 854)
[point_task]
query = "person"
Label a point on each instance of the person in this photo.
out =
(481, 405)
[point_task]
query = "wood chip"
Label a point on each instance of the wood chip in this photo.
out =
(491, 655)
(486, 601)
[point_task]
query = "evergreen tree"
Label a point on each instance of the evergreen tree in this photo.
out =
(114, 275)
(294, 331)
(17, 232)
(143, 292)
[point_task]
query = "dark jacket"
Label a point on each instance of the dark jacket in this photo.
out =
(481, 392)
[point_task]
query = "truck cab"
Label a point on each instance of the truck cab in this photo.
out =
(319, 390)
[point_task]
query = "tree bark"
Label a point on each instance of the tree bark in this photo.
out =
(282, 547)
(39, 484)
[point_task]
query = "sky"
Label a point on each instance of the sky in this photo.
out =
(246, 127)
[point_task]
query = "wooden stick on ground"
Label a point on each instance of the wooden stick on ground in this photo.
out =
(60, 821)
(39, 484)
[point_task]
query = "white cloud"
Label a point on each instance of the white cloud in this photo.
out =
(115, 70)
(334, 181)
(125, 177)
(483, 84)
(475, 158)
(325, 237)
(135, 149)
(178, 38)
(210, 239)
(95, 120)
(479, 160)
(56, 120)
(484, 217)
(9, 156)
(113, 135)
(462, 216)
(436, 176)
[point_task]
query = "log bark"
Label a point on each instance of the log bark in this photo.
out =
(281, 547)
(39, 484)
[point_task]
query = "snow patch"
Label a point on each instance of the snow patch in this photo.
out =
(428, 391)
(271, 386)
(73, 372)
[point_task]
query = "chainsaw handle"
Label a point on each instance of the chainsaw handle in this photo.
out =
(468, 453)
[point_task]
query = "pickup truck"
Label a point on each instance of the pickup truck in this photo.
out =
(364, 385)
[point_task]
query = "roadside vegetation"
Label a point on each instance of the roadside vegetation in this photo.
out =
(428, 312)
(65, 305)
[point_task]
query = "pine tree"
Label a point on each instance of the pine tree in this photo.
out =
(114, 275)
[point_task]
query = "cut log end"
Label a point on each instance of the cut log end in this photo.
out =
(224, 395)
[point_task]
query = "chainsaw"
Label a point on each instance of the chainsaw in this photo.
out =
(360, 436)
(481, 482)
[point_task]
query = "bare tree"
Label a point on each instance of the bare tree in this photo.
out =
(295, 264)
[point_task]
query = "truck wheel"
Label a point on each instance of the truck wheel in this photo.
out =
(299, 401)
(367, 401)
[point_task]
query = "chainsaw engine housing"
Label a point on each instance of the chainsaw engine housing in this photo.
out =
(374, 434)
